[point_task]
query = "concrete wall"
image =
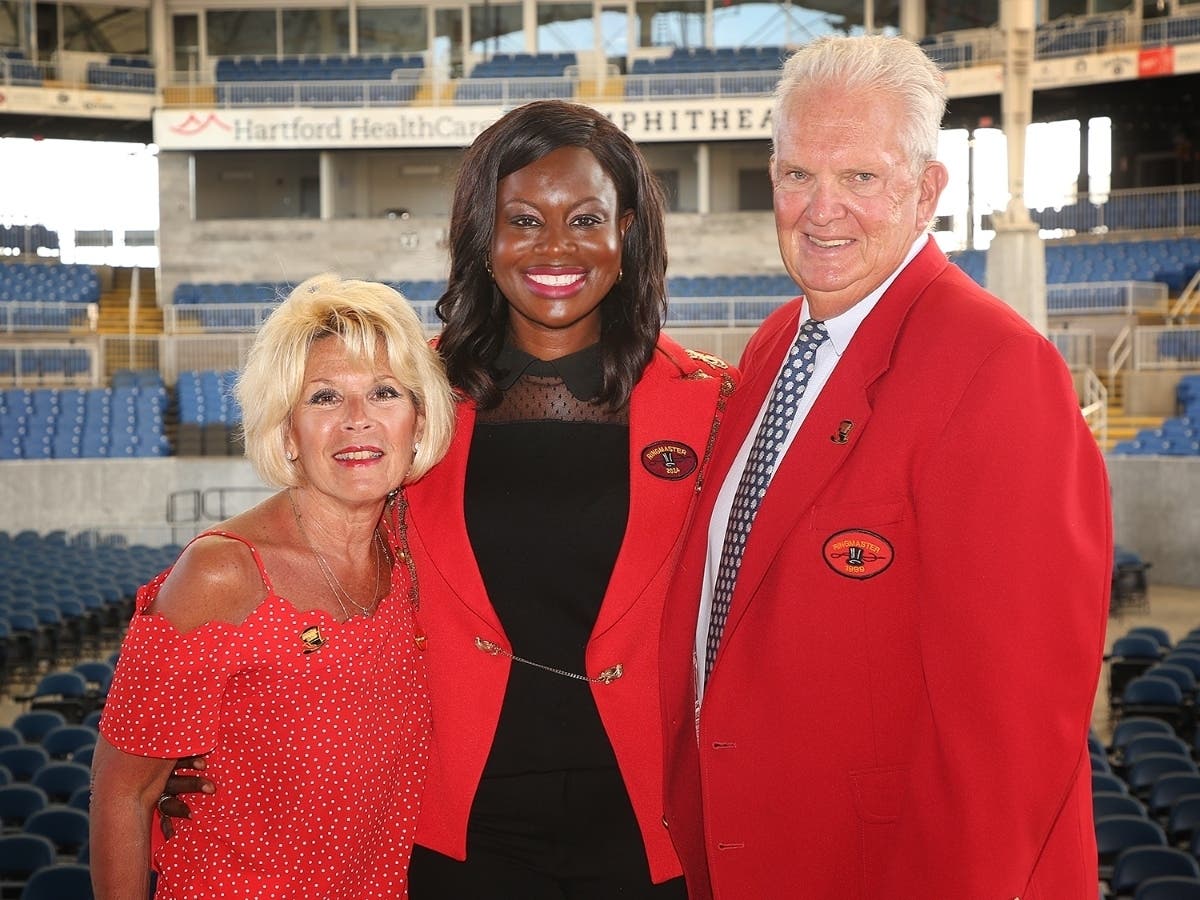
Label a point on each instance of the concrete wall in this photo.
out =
(1156, 511)
(1154, 500)
(372, 247)
(1151, 393)
(122, 496)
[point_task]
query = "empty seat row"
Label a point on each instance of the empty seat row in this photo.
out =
(33, 283)
(28, 238)
(524, 65)
(1172, 261)
(99, 422)
(206, 397)
(189, 293)
(123, 74)
(369, 67)
(44, 363)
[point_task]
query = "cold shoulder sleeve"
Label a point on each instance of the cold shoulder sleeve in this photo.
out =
(167, 691)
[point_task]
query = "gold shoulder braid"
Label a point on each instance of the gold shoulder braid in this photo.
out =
(405, 555)
(715, 361)
(723, 396)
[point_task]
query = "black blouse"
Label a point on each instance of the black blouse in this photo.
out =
(546, 504)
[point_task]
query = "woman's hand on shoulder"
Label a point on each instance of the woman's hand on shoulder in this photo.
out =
(214, 580)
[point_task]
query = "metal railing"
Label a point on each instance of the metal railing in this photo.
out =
(1095, 406)
(1129, 209)
(1187, 303)
(58, 363)
(214, 318)
(191, 511)
(1077, 346)
(408, 89)
(1083, 35)
(1166, 347)
(1120, 351)
(721, 312)
(16, 316)
(181, 353)
(1111, 297)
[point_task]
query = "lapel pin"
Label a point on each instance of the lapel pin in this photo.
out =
(312, 639)
(843, 432)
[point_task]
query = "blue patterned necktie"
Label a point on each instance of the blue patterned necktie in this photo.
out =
(760, 465)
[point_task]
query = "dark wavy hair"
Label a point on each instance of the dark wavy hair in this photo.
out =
(475, 313)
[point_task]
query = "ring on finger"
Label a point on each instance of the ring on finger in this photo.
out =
(160, 800)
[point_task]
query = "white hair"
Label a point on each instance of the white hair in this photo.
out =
(890, 65)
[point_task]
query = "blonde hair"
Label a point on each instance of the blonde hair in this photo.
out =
(894, 66)
(361, 313)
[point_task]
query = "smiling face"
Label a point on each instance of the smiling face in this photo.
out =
(556, 250)
(848, 203)
(353, 427)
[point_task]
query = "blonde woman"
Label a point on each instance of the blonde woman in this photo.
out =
(289, 631)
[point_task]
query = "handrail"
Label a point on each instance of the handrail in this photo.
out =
(1095, 405)
(1189, 300)
(1118, 355)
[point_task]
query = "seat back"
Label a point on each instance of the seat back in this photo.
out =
(23, 854)
(59, 882)
(1168, 887)
(1116, 833)
(64, 826)
(1137, 864)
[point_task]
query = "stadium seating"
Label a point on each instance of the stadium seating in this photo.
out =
(1138, 864)
(518, 77)
(18, 69)
(45, 297)
(1168, 887)
(122, 73)
(59, 882)
(17, 803)
(52, 283)
(63, 826)
(704, 71)
(1178, 435)
(1172, 261)
(61, 779)
(319, 80)
(20, 856)
(1117, 833)
(98, 422)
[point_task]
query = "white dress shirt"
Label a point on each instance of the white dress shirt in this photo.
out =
(841, 329)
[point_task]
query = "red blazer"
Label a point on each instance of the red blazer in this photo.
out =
(900, 704)
(674, 405)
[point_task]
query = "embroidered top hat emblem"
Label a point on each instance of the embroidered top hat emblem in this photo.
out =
(312, 639)
(858, 553)
(671, 460)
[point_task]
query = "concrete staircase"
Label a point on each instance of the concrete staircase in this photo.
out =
(1122, 427)
(118, 319)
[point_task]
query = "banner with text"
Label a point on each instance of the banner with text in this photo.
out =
(234, 128)
(41, 101)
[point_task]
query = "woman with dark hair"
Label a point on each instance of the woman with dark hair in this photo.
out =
(546, 538)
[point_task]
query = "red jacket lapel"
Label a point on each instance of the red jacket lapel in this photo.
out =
(814, 457)
(668, 409)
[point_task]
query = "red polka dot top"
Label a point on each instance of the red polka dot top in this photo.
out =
(317, 735)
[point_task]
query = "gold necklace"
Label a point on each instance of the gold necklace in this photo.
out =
(340, 594)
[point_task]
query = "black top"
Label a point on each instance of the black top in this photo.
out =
(546, 504)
